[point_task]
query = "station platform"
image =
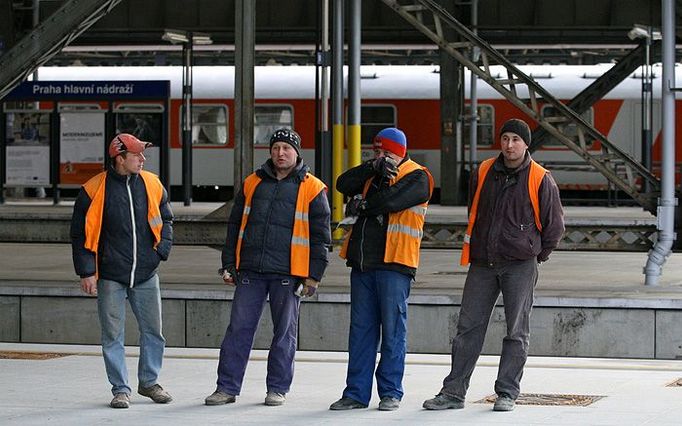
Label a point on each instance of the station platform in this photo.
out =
(66, 385)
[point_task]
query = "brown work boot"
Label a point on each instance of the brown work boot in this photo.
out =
(121, 400)
(156, 393)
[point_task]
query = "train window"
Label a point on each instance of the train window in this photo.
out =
(569, 130)
(268, 118)
(485, 134)
(374, 118)
(209, 124)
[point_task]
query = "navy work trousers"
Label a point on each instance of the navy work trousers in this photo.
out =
(378, 311)
(251, 292)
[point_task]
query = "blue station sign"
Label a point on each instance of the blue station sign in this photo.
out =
(89, 90)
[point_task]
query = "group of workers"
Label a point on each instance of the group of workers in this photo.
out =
(276, 250)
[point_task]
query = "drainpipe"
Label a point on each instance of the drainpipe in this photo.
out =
(667, 200)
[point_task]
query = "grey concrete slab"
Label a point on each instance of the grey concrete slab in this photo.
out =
(669, 334)
(74, 320)
(10, 319)
(73, 390)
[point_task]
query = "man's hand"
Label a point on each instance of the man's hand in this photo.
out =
(89, 285)
(385, 167)
(309, 287)
(543, 256)
(355, 206)
(229, 275)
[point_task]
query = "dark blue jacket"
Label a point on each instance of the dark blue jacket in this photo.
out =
(266, 246)
(115, 252)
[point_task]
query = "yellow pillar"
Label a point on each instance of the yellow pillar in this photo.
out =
(337, 169)
(354, 147)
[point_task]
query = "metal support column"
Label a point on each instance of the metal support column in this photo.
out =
(245, 34)
(667, 201)
(323, 149)
(473, 98)
(354, 97)
(187, 48)
(647, 108)
(337, 111)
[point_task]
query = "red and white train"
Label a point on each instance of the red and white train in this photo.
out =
(402, 96)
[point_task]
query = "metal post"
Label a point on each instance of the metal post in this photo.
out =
(245, 24)
(354, 97)
(667, 201)
(187, 120)
(473, 103)
(337, 111)
(647, 109)
(3, 151)
(323, 154)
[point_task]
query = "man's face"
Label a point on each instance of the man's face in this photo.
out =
(378, 153)
(513, 147)
(283, 156)
(131, 163)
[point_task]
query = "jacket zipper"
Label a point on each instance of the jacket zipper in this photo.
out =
(267, 225)
(132, 220)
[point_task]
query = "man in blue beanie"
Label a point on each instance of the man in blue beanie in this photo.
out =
(389, 197)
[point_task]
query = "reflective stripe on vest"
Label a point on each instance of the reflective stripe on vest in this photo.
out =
(299, 261)
(95, 188)
(405, 228)
(535, 176)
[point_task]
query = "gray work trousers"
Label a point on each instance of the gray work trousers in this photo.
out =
(516, 280)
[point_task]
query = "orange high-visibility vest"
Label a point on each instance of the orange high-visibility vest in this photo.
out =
(405, 228)
(95, 188)
(535, 176)
(300, 237)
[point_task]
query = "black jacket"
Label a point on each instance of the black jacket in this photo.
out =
(505, 228)
(367, 243)
(115, 252)
(266, 245)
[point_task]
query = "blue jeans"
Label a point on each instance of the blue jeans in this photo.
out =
(378, 311)
(247, 307)
(145, 301)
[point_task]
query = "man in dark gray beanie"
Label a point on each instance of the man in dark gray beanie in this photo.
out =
(515, 222)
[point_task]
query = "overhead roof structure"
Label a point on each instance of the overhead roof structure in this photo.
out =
(525, 31)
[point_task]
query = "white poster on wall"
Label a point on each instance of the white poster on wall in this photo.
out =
(28, 148)
(81, 152)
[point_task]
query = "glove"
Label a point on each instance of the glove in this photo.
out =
(544, 256)
(385, 167)
(355, 206)
(228, 274)
(307, 288)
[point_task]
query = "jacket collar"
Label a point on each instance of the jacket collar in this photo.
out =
(267, 170)
(499, 166)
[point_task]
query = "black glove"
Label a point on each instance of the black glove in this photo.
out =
(355, 206)
(385, 167)
(228, 272)
(544, 255)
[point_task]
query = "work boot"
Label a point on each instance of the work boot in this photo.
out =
(219, 398)
(156, 393)
(443, 402)
(275, 398)
(121, 400)
(504, 402)
(388, 403)
(346, 404)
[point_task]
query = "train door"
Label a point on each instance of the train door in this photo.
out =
(145, 121)
(211, 162)
(374, 118)
(82, 142)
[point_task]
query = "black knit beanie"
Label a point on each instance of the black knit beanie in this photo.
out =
(517, 126)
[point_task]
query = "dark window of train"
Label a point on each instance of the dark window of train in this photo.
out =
(268, 118)
(209, 124)
(570, 130)
(485, 134)
(374, 118)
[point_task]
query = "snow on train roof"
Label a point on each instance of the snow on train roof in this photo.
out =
(377, 82)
